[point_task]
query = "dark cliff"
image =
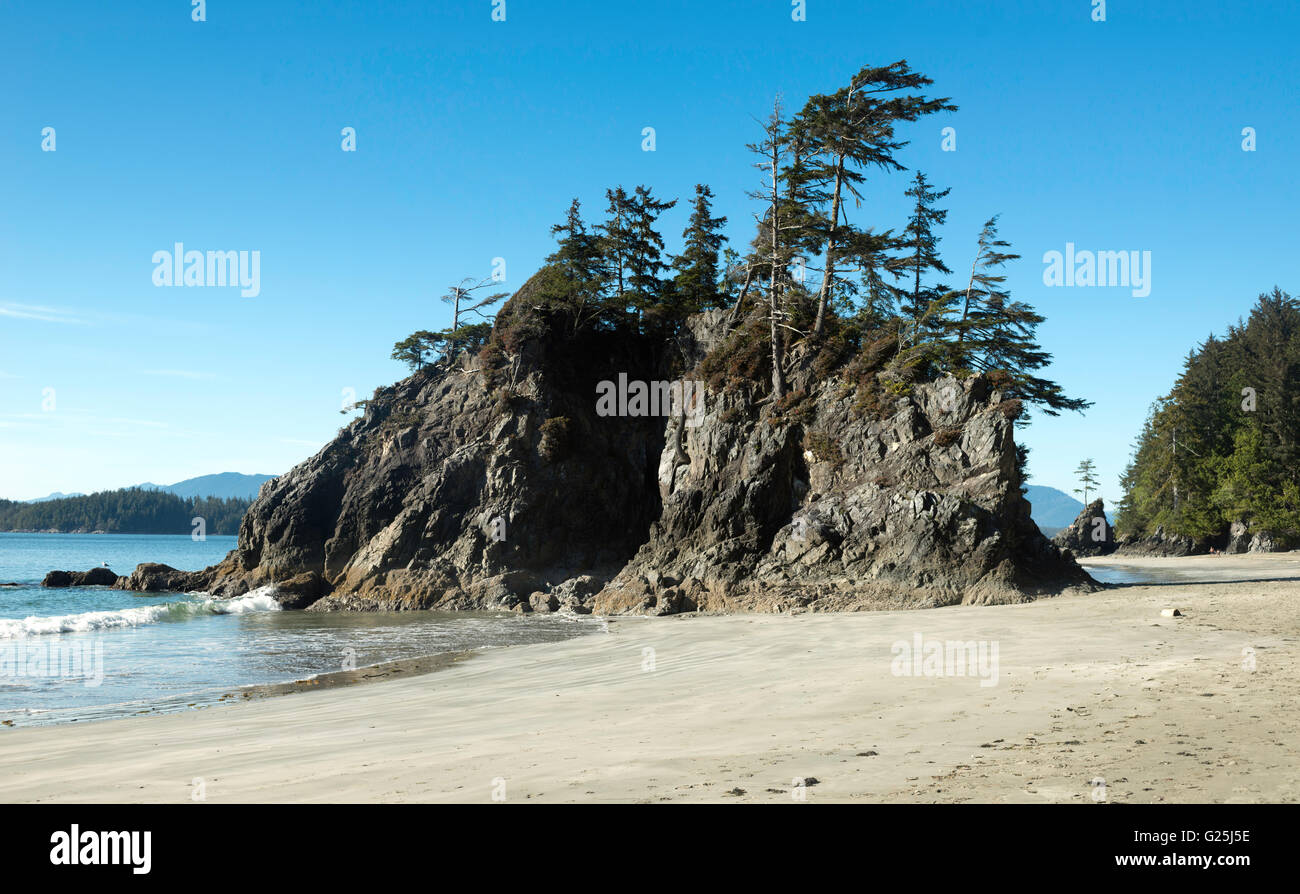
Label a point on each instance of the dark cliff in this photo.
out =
(493, 482)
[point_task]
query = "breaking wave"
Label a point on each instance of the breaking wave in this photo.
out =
(259, 600)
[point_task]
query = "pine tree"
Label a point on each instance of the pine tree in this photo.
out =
(463, 301)
(697, 279)
(644, 246)
(850, 131)
(919, 246)
(992, 332)
(772, 245)
(580, 270)
(1087, 480)
(616, 239)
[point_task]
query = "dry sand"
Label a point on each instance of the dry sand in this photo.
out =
(736, 708)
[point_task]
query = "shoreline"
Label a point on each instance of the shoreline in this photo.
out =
(736, 708)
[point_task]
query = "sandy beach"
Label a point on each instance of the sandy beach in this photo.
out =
(736, 708)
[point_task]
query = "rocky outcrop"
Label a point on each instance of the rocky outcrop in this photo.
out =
(495, 483)
(153, 577)
(1090, 534)
(1162, 543)
(1242, 539)
(95, 577)
(465, 488)
(825, 508)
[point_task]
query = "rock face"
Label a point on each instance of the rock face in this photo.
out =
(95, 577)
(1162, 543)
(841, 511)
(497, 484)
(1090, 534)
(466, 488)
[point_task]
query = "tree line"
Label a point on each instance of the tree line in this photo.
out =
(816, 273)
(1223, 445)
(126, 511)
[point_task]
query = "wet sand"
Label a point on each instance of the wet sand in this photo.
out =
(738, 708)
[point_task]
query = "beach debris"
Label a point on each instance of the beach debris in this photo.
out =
(1170, 613)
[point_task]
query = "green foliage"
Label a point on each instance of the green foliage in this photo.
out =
(1222, 446)
(1087, 479)
(417, 349)
(880, 319)
(126, 511)
(994, 333)
(696, 283)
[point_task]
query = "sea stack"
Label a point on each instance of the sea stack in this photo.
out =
(492, 481)
(1090, 534)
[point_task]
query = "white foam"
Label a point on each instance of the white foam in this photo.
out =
(259, 600)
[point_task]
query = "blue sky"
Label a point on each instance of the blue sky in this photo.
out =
(472, 136)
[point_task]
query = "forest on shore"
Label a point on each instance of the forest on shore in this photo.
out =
(1222, 448)
(125, 511)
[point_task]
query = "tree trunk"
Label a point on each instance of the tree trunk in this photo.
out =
(778, 376)
(773, 301)
(828, 266)
(734, 316)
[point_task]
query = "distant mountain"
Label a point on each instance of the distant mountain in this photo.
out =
(57, 495)
(224, 485)
(1052, 509)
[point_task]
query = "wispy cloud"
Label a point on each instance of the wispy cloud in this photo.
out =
(179, 373)
(41, 313)
(79, 416)
(8, 375)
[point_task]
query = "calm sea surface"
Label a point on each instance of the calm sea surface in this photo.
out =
(85, 653)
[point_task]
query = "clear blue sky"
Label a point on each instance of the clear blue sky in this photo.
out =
(472, 137)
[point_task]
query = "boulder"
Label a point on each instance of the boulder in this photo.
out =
(154, 577)
(543, 602)
(95, 577)
(300, 590)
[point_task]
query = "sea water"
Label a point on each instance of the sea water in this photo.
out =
(86, 653)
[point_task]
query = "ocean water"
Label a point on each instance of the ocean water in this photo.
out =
(86, 653)
(1126, 574)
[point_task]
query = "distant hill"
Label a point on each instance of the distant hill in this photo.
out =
(224, 486)
(1052, 509)
(57, 495)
